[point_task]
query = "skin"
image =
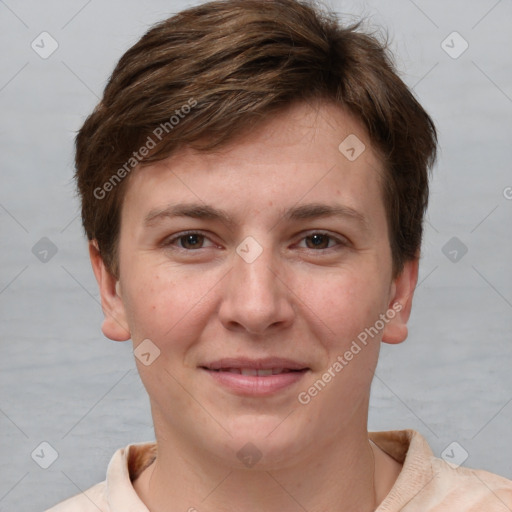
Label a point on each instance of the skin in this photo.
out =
(198, 300)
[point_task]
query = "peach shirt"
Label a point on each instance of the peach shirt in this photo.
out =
(425, 484)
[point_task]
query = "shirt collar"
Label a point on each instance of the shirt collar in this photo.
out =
(125, 466)
(408, 447)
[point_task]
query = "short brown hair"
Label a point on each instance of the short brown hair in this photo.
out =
(211, 71)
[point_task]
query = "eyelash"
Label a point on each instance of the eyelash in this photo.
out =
(169, 242)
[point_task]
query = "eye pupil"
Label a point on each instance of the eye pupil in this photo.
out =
(318, 239)
(191, 239)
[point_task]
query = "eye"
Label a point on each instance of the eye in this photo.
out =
(321, 240)
(190, 240)
(194, 240)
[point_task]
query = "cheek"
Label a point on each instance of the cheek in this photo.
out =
(165, 306)
(344, 304)
(149, 303)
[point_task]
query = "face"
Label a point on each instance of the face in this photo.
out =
(230, 261)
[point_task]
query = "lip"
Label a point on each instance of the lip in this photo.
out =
(255, 385)
(257, 364)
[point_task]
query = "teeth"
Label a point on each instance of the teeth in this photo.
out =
(253, 372)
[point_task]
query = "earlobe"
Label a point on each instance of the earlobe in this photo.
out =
(400, 304)
(114, 324)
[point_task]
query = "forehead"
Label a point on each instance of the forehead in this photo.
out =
(309, 153)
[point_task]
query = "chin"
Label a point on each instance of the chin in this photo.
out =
(264, 441)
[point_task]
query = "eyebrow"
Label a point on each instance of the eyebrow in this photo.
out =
(304, 212)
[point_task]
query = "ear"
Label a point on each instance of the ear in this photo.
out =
(114, 324)
(401, 294)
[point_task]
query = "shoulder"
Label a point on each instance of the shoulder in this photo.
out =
(116, 492)
(429, 483)
(91, 500)
(475, 489)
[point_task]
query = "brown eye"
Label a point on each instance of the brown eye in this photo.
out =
(191, 241)
(321, 241)
(318, 241)
(186, 241)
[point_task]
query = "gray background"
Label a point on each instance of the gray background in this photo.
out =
(62, 382)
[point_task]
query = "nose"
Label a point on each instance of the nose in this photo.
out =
(256, 297)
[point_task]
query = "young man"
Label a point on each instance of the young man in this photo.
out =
(253, 186)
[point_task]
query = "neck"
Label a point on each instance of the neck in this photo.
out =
(337, 476)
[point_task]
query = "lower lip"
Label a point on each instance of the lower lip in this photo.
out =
(254, 385)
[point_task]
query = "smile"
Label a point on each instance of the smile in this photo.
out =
(252, 382)
(254, 371)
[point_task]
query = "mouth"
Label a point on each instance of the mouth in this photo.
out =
(256, 377)
(256, 372)
(248, 366)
